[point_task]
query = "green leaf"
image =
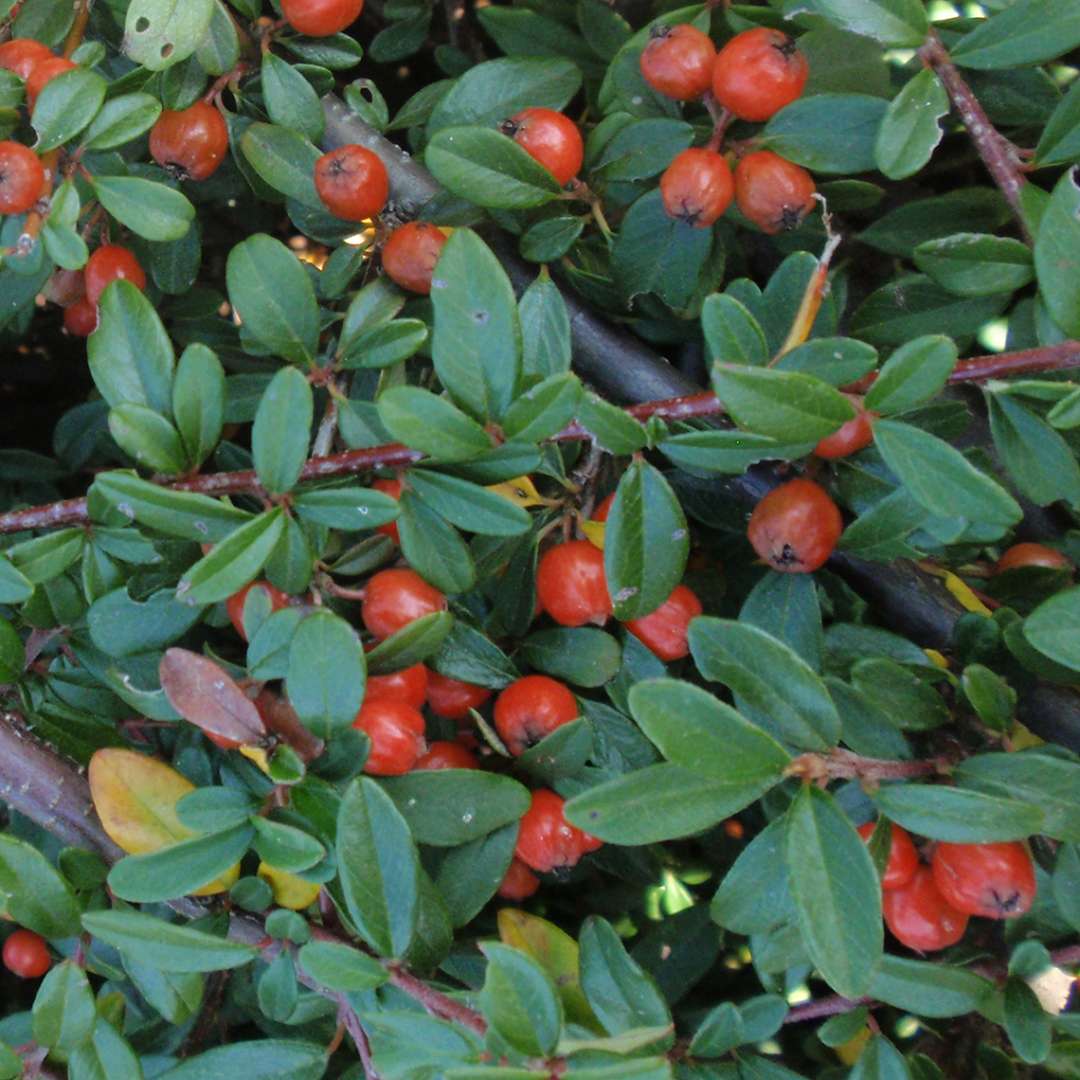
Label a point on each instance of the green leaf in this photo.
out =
(1060, 140)
(151, 210)
(719, 1033)
(468, 505)
(520, 1002)
(347, 508)
(1057, 251)
(642, 148)
(612, 429)
(148, 438)
(754, 896)
(732, 334)
(910, 130)
(63, 1008)
(431, 424)
(1028, 32)
(729, 451)
(412, 644)
(880, 1060)
(914, 373)
(327, 673)
(1040, 462)
(105, 1055)
(583, 655)
(198, 401)
(787, 606)
(545, 331)
(940, 478)
(828, 133)
(282, 430)
(1054, 628)
(896, 23)
(929, 989)
(385, 344)
(340, 967)
(285, 846)
(65, 106)
(974, 264)
(958, 815)
(233, 562)
(260, 1059)
(160, 33)
(274, 297)
(550, 238)
(836, 892)
(164, 945)
(646, 542)
(775, 686)
(33, 894)
(378, 868)
(1027, 1023)
(433, 547)
(544, 409)
(285, 160)
(290, 99)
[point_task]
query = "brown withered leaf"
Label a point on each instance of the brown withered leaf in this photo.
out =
(206, 696)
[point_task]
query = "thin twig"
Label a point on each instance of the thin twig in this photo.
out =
(436, 1002)
(845, 765)
(347, 1016)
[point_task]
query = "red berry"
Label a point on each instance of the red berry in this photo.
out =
(678, 61)
(393, 489)
(795, 527)
(856, 434)
(996, 881)
(520, 882)
(903, 858)
(352, 183)
(234, 606)
(550, 138)
(394, 598)
(603, 508)
(531, 708)
(22, 55)
(43, 73)
(448, 755)
(191, 142)
(396, 731)
(408, 685)
(919, 917)
(758, 72)
(772, 192)
(22, 178)
(410, 255)
(110, 263)
(80, 318)
(546, 840)
(26, 954)
(663, 631)
(320, 18)
(451, 698)
(571, 585)
(697, 187)
(1031, 555)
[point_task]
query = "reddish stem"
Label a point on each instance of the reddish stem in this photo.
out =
(436, 1002)
(845, 765)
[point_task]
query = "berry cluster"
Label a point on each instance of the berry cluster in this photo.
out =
(751, 78)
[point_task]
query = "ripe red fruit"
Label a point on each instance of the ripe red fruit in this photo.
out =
(22, 55)
(396, 731)
(996, 881)
(393, 489)
(546, 840)
(410, 255)
(26, 954)
(663, 631)
(772, 192)
(1031, 555)
(919, 916)
(571, 585)
(795, 527)
(520, 882)
(855, 435)
(81, 318)
(697, 187)
(678, 61)
(190, 142)
(22, 178)
(320, 18)
(447, 755)
(234, 606)
(903, 858)
(603, 508)
(110, 263)
(352, 182)
(550, 138)
(408, 685)
(43, 73)
(531, 708)
(451, 698)
(394, 598)
(758, 72)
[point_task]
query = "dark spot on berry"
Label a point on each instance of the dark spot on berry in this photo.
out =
(786, 48)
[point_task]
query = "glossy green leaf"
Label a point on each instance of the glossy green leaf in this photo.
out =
(341, 967)
(282, 430)
(1057, 262)
(33, 893)
(582, 655)
(431, 424)
(433, 547)
(897, 23)
(929, 989)
(151, 210)
(327, 673)
(468, 505)
(284, 159)
(732, 334)
(1028, 32)
(828, 133)
(1054, 628)
(914, 373)
(290, 99)
(958, 815)
(233, 562)
(65, 106)
(520, 1002)
(259, 1059)
(148, 438)
(63, 1008)
(910, 130)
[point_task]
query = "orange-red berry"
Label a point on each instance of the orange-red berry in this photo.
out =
(903, 858)
(919, 917)
(408, 685)
(110, 263)
(22, 55)
(396, 731)
(758, 72)
(532, 708)
(396, 597)
(26, 954)
(795, 527)
(855, 435)
(447, 755)
(571, 584)
(22, 178)
(996, 881)
(1028, 554)
(352, 182)
(664, 630)
(519, 883)
(678, 61)
(550, 138)
(772, 192)
(190, 142)
(546, 840)
(80, 318)
(451, 698)
(697, 187)
(320, 18)
(43, 73)
(410, 255)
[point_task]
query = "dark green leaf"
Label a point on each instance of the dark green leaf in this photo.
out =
(1028, 32)
(958, 815)
(520, 1001)
(431, 424)
(151, 210)
(282, 430)
(974, 264)
(583, 656)
(65, 106)
(233, 562)
(34, 894)
(828, 133)
(910, 130)
(327, 673)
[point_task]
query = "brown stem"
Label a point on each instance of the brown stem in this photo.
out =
(827, 1006)
(436, 1002)
(844, 765)
(78, 27)
(348, 1017)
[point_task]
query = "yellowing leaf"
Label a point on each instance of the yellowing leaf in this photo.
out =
(852, 1050)
(289, 891)
(1023, 738)
(937, 658)
(258, 756)
(968, 600)
(521, 491)
(594, 532)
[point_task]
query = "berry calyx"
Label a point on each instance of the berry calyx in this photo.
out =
(772, 192)
(919, 917)
(550, 138)
(678, 61)
(447, 755)
(352, 182)
(22, 178)
(571, 585)
(408, 685)
(1028, 554)
(451, 698)
(391, 487)
(394, 598)
(320, 18)
(410, 255)
(26, 954)
(855, 435)
(697, 187)
(234, 606)
(43, 73)
(532, 708)
(546, 840)
(110, 263)
(396, 731)
(903, 858)
(758, 72)
(519, 883)
(795, 527)
(663, 631)
(191, 143)
(22, 55)
(996, 881)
